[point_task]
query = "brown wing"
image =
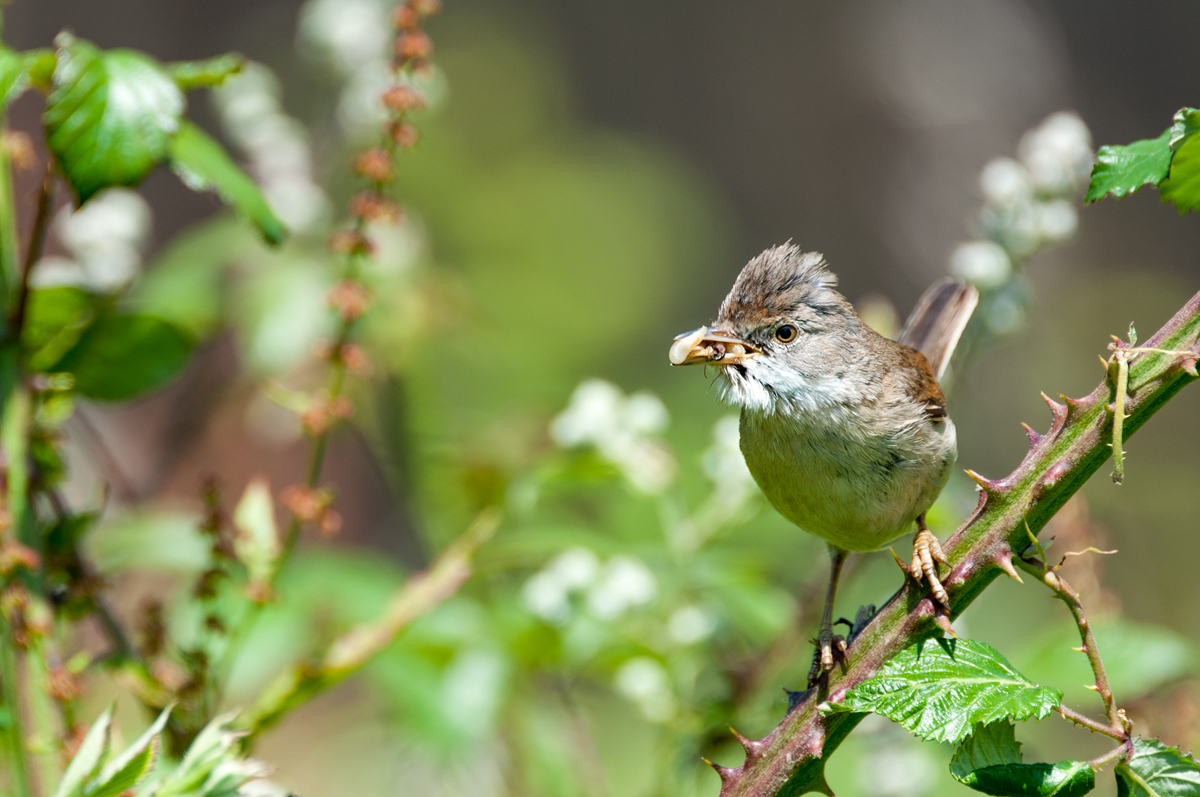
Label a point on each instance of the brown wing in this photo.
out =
(938, 321)
(921, 385)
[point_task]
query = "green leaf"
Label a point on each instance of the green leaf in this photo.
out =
(122, 356)
(1155, 770)
(1064, 779)
(126, 770)
(988, 746)
(210, 72)
(89, 758)
(14, 76)
(55, 319)
(203, 165)
(257, 540)
(1182, 186)
(110, 116)
(940, 688)
(1121, 170)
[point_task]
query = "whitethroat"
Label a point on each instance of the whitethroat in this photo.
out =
(844, 430)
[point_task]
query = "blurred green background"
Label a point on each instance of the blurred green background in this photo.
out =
(591, 177)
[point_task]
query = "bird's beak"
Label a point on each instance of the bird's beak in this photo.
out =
(710, 345)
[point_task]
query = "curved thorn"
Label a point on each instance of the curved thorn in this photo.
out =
(1055, 407)
(727, 774)
(944, 623)
(1003, 560)
(987, 485)
(751, 747)
(1103, 362)
(1034, 437)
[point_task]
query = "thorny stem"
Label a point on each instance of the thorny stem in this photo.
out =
(791, 759)
(1067, 594)
(1112, 754)
(1089, 723)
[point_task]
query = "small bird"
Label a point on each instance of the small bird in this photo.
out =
(844, 430)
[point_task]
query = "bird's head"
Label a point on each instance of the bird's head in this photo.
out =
(782, 335)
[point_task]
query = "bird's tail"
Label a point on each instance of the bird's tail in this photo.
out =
(938, 321)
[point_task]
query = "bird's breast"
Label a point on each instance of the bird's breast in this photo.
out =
(856, 478)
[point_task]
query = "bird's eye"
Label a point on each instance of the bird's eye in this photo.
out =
(786, 333)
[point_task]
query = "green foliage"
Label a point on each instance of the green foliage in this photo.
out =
(991, 745)
(122, 356)
(1156, 770)
(989, 761)
(92, 774)
(203, 165)
(940, 688)
(110, 116)
(1171, 162)
(55, 319)
(211, 767)
(209, 72)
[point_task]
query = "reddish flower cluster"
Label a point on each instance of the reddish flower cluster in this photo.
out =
(312, 505)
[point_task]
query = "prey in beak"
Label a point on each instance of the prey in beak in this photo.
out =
(710, 345)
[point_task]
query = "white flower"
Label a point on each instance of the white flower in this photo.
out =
(898, 771)
(981, 263)
(545, 596)
(277, 145)
(1058, 153)
(621, 429)
(690, 624)
(105, 239)
(644, 681)
(1057, 220)
(350, 33)
(625, 584)
(575, 569)
(1006, 182)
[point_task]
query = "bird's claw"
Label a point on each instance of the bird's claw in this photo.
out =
(829, 647)
(926, 553)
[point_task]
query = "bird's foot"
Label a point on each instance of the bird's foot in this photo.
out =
(927, 552)
(829, 647)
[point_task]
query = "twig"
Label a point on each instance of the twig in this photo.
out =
(33, 251)
(791, 758)
(1067, 594)
(348, 654)
(1089, 723)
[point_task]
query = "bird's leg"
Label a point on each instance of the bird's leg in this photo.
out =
(927, 552)
(826, 641)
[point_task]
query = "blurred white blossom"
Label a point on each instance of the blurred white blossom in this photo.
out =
(622, 429)
(277, 145)
(1058, 153)
(732, 490)
(690, 624)
(644, 681)
(984, 264)
(1029, 204)
(625, 584)
(611, 588)
(104, 238)
(349, 33)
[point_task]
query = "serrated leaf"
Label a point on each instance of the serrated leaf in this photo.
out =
(89, 758)
(203, 165)
(110, 115)
(126, 770)
(1156, 770)
(55, 319)
(1121, 170)
(941, 688)
(122, 356)
(988, 746)
(1064, 779)
(257, 540)
(214, 744)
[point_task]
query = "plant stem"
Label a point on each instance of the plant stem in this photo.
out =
(1090, 724)
(1112, 754)
(1067, 594)
(33, 251)
(19, 780)
(791, 759)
